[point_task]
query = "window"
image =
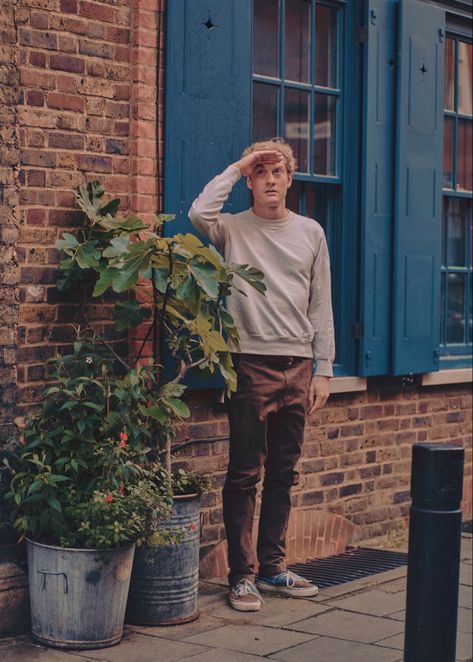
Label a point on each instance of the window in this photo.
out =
(456, 302)
(297, 94)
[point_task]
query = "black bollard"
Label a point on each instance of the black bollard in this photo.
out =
(434, 553)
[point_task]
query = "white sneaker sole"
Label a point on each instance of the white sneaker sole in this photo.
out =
(291, 592)
(244, 606)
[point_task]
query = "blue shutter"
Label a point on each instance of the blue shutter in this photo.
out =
(418, 182)
(207, 108)
(377, 193)
(208, 99)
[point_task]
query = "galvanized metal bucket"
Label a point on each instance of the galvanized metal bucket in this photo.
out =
(165, 579)
(78, 596)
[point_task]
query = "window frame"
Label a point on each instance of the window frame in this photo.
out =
(342, 233)
(455, 355)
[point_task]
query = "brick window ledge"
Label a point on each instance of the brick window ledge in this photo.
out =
(348, 384)
(458, 376)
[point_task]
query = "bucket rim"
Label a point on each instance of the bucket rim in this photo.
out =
(92, 550)
(182, 497)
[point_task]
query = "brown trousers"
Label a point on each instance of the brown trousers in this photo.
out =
(267, 417)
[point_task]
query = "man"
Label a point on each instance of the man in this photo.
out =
(283, 335)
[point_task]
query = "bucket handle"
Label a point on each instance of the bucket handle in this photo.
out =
(58, 574)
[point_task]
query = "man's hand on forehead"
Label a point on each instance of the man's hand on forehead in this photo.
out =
(248, 163)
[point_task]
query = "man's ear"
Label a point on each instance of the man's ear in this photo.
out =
(248, 183)
(289, 181)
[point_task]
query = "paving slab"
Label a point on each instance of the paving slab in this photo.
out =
(464, 647)
(349, 625)
(137, 647)
(466, 551)
(464, 620)
(465, 574)
(178, 632)
(465, 597)
(217, 655)
(255, 639)
(372, 602)
(324, 649)
(28, 652)
(393, 586)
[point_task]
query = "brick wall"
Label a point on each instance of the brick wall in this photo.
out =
(86, 108)
(356, 459)
(79, 101)
(9, 200)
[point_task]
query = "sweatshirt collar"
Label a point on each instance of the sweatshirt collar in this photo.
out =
(278, 223)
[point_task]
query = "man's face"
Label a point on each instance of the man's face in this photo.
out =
(269, 184)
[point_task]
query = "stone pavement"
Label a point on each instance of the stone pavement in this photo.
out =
(361, 621)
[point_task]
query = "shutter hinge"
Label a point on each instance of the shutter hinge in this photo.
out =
(373, 17)
(357, 330)
(441, 35)
(362, 34)
(436, 355)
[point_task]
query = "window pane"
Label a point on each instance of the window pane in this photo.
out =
(465, 72)
(294, 197)
(324, 134)
(325, 46)
(444, 234)
(296, 125)
(449, 74)
(448, 133)
(456, 233)
(456, 308)
(297, 41)
(464, 155)
(265, 111)
(443, 338)
(265, 38)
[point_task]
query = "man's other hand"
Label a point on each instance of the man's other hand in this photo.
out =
(318, 393)
(248, 163)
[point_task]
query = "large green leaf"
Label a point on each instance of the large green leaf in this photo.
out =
(130, 313)
(130, 264)
(105, 281)
(189, 293)
(118, 245)
(252, 276)
(206, 277)
(88, 255)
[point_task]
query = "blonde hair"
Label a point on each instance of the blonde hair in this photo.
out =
(279, 145)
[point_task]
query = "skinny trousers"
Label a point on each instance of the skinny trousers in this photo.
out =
(267, 417)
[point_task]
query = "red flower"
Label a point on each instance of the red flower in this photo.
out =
(108, 498)
(193, 526)
(123, 437)
(122, 444)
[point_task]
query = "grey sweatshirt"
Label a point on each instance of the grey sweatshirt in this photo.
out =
(295, 317)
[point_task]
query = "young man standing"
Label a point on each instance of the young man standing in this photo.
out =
(287, 350)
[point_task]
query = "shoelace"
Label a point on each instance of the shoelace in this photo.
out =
(290, 577)
(244, 587)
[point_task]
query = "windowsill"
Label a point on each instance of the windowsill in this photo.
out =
(348, 384)
(459, 376)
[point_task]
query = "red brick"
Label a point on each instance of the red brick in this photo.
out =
(62, 101)
(102, 49)
(67, 63)
(39, 20)
(69, 6)
(67, 84)
(118, 35)
(38, 158)
(38, 39)
(100, 12)
(66, 141)
(33, 78)
(35, 98)
(37, 59)
(36, 178)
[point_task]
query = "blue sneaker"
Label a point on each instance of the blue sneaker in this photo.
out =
(287, 583)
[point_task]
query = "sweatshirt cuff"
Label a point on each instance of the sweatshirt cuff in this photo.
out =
(322, 368)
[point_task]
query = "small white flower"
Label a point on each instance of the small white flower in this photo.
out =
(89, 360)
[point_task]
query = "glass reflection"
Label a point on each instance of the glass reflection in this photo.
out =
(265, 111)
(297, 22)
(265, 38)
(449, 74)
(294, 197)
(456, 308)
(325, 46)
(296, 125)
(465, 72)
(456, 233)
(324, 134)
(464, 155)
(448, 134)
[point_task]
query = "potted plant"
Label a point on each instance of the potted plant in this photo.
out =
(183, 302)
(84, 490)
